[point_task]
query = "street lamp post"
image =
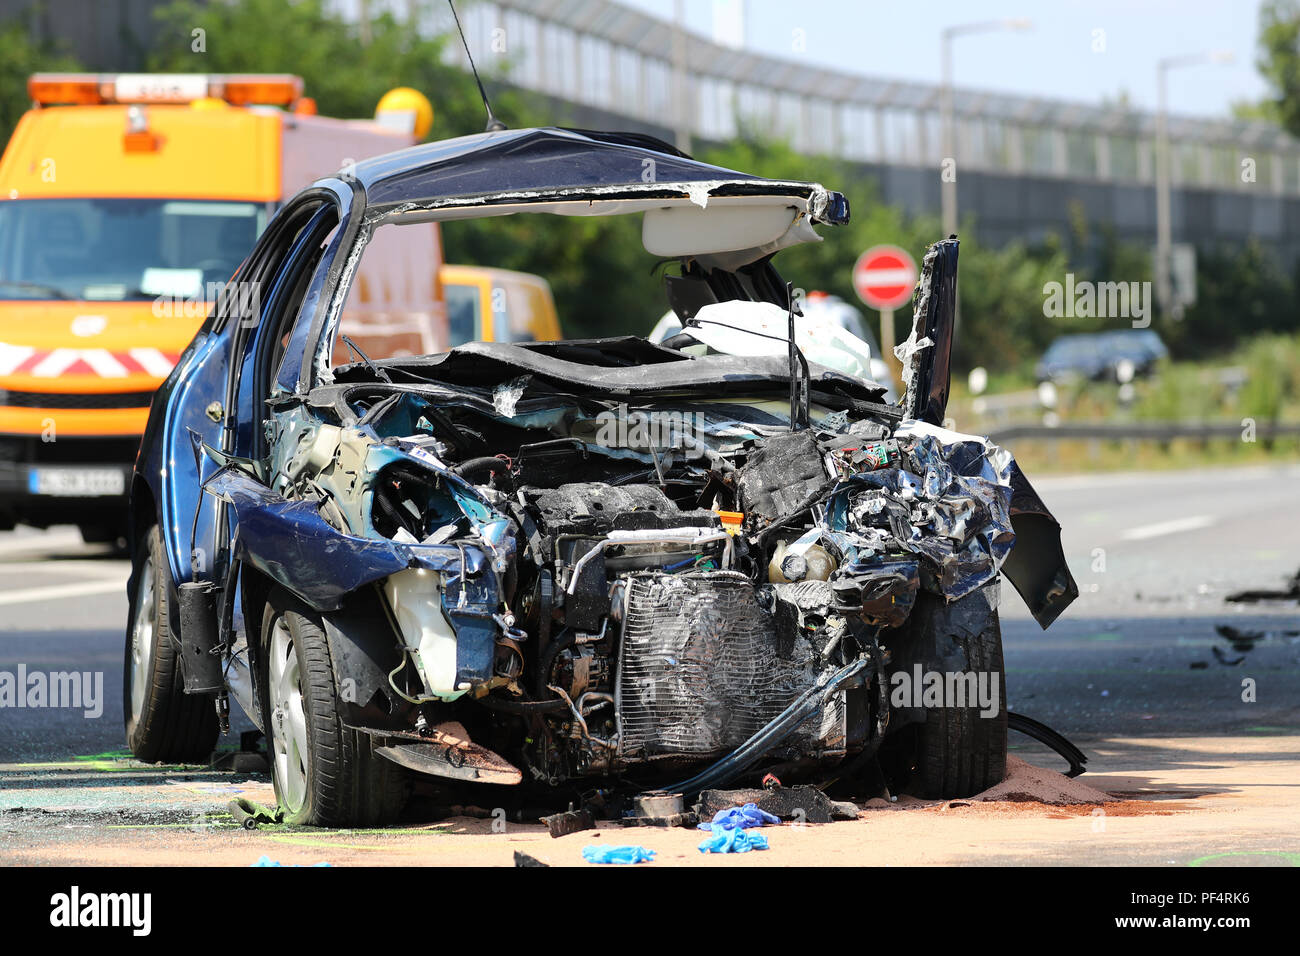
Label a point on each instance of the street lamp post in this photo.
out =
(948, 183)
(682, 119)
(1164, 230)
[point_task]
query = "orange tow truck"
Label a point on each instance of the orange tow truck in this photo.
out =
(126, 203)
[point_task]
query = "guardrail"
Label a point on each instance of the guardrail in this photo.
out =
(1142, 431)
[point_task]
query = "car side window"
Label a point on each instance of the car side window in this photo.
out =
(254, 303)
(291, 305)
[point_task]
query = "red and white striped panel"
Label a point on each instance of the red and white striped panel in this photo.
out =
(53, 363)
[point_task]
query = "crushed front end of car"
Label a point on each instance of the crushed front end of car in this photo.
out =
(674, 565)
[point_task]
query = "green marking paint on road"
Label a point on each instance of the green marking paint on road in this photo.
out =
(1292, 858)
(388, 831)
(112, 761)
(320, 842)
(1270, 730)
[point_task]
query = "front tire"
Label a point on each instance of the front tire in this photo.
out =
(945, 752)
(962, 752)
(163, 723)
(325, 774)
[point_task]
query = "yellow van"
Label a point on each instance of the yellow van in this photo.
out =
(497, 305)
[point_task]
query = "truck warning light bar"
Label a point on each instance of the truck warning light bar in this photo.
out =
(237, 89)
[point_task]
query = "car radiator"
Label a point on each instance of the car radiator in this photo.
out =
(702, 668)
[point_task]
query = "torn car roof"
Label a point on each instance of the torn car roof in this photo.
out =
(513, 166)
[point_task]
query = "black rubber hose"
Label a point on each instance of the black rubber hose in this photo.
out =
(781, 727)
(395, 514)
(567, 639)
(475, 465)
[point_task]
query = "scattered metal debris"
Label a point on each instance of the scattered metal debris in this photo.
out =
(570, 821)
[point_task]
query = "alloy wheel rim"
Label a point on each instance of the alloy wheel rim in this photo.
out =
(288, 719)
(142, 636)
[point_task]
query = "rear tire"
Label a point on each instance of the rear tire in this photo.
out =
(163, 724)
(325, 774)
(111, 533)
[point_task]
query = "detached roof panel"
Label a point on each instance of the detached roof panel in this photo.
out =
(527, 160)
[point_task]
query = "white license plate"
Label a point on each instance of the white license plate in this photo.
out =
(77, 482)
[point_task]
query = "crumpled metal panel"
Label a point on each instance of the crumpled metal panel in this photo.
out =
(926, 354)
(948, 502)
(293, 545)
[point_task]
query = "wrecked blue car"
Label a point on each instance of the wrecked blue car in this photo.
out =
(609, 563)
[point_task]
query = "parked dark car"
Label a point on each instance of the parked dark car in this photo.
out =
(1098, 356)
(1142, 348)
(600, 560)
(1071, 358)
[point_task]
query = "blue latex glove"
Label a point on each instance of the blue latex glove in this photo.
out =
(617, 854)
(735, 840)
(740, 818)
(267, 861)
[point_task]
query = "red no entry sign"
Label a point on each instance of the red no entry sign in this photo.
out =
(884, 277)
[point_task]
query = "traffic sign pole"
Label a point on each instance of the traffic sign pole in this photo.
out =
(887, 340)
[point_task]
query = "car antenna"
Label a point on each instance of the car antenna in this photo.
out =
(799, 384)
(493, 124)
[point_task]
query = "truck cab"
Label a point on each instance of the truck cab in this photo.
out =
(126, 204)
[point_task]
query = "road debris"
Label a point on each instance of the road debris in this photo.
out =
(608, 853)
(250, 814)
(1025, 782)
(739, 818)
(734, 840)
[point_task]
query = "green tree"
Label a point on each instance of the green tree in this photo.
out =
(20, 57)
(1279, 61)
(344, 74)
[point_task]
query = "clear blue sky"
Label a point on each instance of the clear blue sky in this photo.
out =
(1055, 58)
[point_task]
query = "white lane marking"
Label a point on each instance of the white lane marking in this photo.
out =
(34, 541)
(1191, 523)
(57, 591)
(84, 569)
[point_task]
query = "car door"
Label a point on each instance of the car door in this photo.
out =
(209, 400)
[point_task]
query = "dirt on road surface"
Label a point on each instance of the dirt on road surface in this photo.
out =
(1180, 801)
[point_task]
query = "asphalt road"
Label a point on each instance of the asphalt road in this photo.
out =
(1136, 672)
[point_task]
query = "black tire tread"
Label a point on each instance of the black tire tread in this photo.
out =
(961, 753)
(175, 727)
(348, 785)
